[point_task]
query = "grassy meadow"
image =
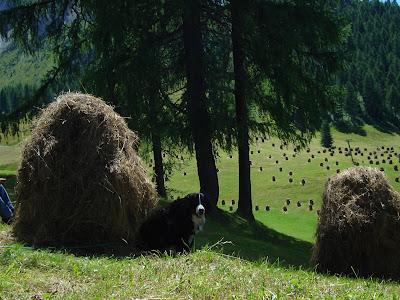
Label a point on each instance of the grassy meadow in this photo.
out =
(296, 222)
(268, 259)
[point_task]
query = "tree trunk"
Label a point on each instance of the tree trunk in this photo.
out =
(245, 207)
(198, 115)
(154, 125)
(158, 165)
(110, 82)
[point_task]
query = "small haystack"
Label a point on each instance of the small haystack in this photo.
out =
(81, 181)
(359, 225)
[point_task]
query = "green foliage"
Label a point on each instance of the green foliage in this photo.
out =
(373, 58)
(101, 48)
(46, 29)
(372, 50)
(294, 52)
(122, 66)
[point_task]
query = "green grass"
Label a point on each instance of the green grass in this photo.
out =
(9, 160)
(235, 259)
(297, 222)
(205, 274)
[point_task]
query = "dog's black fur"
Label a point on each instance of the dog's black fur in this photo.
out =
(172, 227)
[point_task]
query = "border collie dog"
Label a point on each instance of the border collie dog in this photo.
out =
(173, 226)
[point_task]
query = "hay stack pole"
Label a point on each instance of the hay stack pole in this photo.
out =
(81, 181)
(358, 231)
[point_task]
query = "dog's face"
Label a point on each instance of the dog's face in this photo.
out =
(196, 204)
(199, 217)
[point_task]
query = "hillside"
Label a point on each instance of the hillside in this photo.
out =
(370, 78)
(297, 222)
(21, 73)
(249, 261)
(17, 66)
(205, 274)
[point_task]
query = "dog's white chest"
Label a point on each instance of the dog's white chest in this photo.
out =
(198, 222)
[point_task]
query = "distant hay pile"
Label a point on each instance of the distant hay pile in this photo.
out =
(81, 181)
(359, 225)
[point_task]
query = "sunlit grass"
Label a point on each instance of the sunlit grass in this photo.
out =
(296, 222)
(205, 274)
(235, 259)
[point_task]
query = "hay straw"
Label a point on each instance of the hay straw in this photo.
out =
(81, 180)
(359, 225)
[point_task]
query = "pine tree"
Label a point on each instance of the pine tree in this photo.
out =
(272, 81)
(372, 98)
(239, 12)
(373, 55)
(393, 103)
(326, 137)
(354, 106)
(125, 66)
(196, 99)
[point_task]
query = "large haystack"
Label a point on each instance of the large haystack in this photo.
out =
(359, 225)
(81, 181)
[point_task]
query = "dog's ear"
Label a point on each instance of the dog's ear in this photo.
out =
(205, 200)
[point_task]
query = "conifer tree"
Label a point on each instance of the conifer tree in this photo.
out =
(326, 137)
(270, 77)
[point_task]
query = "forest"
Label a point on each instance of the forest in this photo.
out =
(370, 80)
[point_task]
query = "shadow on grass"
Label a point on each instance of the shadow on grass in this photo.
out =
(253, 241)
(250, 241)
(386, 127)
(381, 126)
(357, 129)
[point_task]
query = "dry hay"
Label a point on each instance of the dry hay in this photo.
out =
(6, 237)
(81, 181)
(359, 225)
